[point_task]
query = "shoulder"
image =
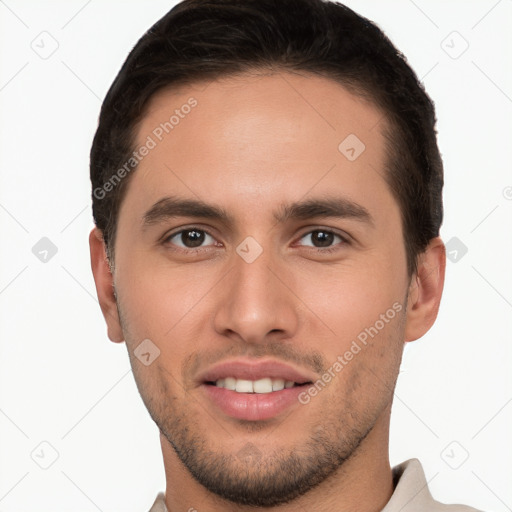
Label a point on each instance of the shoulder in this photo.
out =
(412, 493)
(159, 504)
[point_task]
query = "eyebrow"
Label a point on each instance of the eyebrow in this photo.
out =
(336, 207)
(170, 207)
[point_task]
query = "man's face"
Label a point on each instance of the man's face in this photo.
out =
(269, 290)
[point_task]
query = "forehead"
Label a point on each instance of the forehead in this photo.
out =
(266, 139)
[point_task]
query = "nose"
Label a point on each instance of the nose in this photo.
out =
(256, 303)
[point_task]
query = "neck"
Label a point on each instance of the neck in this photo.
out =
(364, 482)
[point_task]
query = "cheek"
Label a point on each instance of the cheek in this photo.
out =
(350, 298)
(369, 362)
(169, 306)
(364, 312)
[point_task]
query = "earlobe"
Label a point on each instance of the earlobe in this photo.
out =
(105, 285)
(425, 290)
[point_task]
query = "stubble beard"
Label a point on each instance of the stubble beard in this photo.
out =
(254, 476)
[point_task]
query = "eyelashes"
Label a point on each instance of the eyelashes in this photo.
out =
(326, 236)
(191, 240)
(198, 237)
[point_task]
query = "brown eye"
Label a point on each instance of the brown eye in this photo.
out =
(321, 238)
(190, 238)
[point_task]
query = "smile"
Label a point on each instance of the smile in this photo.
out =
(265, 385)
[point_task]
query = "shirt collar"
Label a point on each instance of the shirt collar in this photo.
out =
(411, 489)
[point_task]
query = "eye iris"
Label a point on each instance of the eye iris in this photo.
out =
(192, 238)
(322, 238)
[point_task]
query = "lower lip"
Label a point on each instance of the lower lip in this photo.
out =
(253, 406)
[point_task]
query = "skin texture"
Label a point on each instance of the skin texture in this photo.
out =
(251, 145)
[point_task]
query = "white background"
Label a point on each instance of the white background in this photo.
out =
(63, 383)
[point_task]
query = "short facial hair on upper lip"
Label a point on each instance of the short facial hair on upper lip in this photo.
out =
(276, 350)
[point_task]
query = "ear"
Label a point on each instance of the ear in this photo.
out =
(105, 285)
(425, 290)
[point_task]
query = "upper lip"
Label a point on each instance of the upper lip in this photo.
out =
(254, 370)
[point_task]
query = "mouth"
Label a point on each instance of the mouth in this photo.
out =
(261, 386)
(253, 390)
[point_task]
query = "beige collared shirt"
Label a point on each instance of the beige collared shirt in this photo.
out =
(411, 493)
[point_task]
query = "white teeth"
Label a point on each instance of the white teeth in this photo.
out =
(262, 386)
(244, 386)
(229, 383)
(265, 385)
(277, 384)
